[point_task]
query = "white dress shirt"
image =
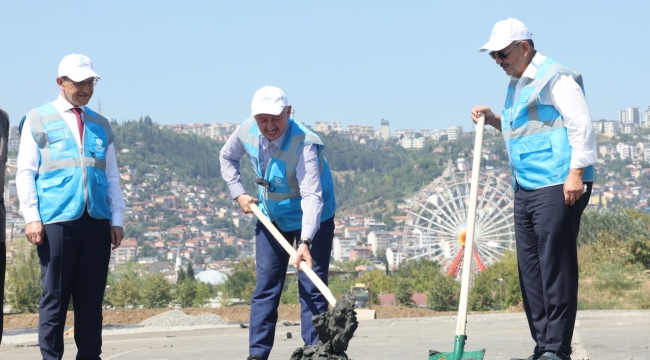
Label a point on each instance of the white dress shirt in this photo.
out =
(28, 162)
(564, 93)
(307, 174)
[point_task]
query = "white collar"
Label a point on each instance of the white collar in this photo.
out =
(531, 69)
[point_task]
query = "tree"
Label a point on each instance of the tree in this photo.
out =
(443, 294)
(403, 292)
(241, 282)
(378, 281)
(156, 291)
(180, 276)
(190, 271)
(148, 251)
(124, 286)
(185, 293)
(290, 291)
(480, 295)
(23, 286)
(124, 294)
(201, 294)
(420, 273)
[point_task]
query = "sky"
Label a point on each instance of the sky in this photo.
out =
(415, 63)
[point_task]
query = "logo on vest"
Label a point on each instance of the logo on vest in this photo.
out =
(278, 181)
(99, 147)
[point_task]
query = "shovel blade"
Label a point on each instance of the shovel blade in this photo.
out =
(465, 355)
(459, 352)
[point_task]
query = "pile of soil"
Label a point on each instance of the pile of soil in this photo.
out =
(335, 329)
(231, 314)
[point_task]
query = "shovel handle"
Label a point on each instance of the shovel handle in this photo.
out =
(292, 253)
(471, 221)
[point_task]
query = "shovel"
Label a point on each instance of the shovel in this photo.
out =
(459, 352)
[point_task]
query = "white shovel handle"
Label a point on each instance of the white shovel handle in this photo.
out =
(292, 253)
(471, 220)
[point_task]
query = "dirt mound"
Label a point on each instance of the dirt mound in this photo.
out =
(515, 308)
(335, 329)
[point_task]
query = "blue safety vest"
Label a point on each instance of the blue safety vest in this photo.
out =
(280, 201)
(67, 183)
(535, 137)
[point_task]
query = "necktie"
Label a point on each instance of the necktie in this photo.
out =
(80, 124)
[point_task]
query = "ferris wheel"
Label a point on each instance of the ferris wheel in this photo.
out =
(437, 220)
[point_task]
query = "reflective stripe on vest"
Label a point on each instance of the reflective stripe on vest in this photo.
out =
(68, 183)
(535, 137)
(281, 200)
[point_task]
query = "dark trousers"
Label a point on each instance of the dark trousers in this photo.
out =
(546, 230)
(3, 268)
(74, 261)
(272, 261)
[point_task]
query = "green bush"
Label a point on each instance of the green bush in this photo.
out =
(156, 291)
(23, 283)
(443, 294)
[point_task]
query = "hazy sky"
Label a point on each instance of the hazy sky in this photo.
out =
(415, 63)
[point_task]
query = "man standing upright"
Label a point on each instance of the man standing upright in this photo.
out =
(4, 137)
(551, 145)
(70, 196)
(296, 191)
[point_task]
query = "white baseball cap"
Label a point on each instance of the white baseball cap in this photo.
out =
(505, 32)
(268, 100)
(77, 67)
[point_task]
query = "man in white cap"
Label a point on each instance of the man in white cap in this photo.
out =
(70, 196)
(551, 146)
(296, 192)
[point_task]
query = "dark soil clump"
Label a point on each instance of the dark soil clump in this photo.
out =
(335, 329)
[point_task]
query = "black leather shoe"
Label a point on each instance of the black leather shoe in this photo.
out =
(554, 356)
(254, 357)
(532, 357)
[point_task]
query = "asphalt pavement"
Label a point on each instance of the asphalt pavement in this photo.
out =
(599, 335)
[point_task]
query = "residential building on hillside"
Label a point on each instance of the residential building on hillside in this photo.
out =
(385, 130)
(628, 129)
(322, 126)
(454, 132)
(378, 240)
(412, 143)
(405, 134)
(128, 250)
(610, 127)
(341, 248)
(436, 134)
(394, 258)
(630, 116)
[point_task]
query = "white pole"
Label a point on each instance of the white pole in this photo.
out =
(292, 253)
(471, 220)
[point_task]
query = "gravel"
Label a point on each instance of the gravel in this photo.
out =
(179, 318)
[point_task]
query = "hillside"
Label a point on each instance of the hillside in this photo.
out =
(363, 175)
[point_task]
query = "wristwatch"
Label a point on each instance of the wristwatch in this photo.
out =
(305, 241)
